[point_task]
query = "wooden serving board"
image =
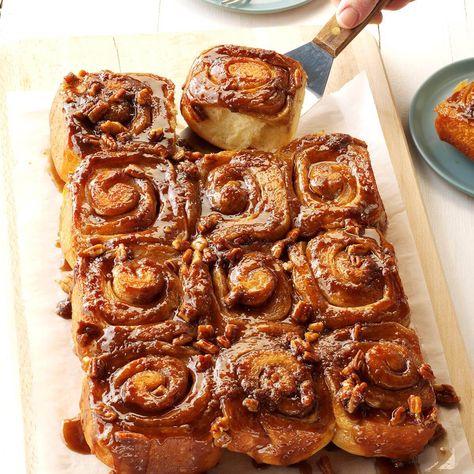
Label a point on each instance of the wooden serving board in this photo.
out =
(41, 64)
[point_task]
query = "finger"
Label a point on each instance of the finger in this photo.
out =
(350, 13)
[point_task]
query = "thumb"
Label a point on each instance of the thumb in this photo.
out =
(351, 13)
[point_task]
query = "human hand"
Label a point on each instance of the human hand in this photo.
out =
(351, 13)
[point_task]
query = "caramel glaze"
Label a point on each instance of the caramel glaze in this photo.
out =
(460, 104)
(74, 436)
(118, 112)
(357, 277)
(247, 80)
(149, 404)
(216, 332)
(386, 466)
(246, 196)
(333, 181)
(381, 389)
(272, 397)
(115, 194)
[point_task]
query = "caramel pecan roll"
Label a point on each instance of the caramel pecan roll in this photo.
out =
(133, 282)
(147, 407)
(334, 181)
(107, 111)
(252, 288)
(455, 119)
(245, 197)
(349, 276)
(115, 194)
(237, 97)
(276, 407)
(381, 390)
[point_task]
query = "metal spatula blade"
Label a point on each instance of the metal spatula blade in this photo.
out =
(317, 63)
(317, 56)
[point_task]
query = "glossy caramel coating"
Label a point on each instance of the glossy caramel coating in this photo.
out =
(275, 406)
(117, 194)
(237, 97)
(134, 282)
(455, 119)
(252, 288)
(349, 276)
(108, 111)
(381, 390)
(249, 80)
(333, 181)
(245, 196)
(147, 405)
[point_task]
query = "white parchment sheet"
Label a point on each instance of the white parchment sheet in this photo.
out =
(51, 373)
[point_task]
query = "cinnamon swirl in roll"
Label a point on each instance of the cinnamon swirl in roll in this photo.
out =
(334, 181)
(246, 196)
(252, 287)
(116, 194)
(237, 97)
(108, 111)
(133, 282)
(381, 390)
(349, 276)
(147, 406)
(275, 405)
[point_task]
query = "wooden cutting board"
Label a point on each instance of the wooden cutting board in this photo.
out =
(41, 64)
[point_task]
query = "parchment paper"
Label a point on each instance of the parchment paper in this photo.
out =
(51, 373)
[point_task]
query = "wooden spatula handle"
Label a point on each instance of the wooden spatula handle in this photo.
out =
(334, 39)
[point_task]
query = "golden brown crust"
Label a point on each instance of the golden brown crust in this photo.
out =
(333, 181)
(121, 193)
(262, 90)
(275, 406)
(204, 297)
(245, 197)
(381, 390)
(349, 276)
(455, 119)
(107, 111)
(145, 401)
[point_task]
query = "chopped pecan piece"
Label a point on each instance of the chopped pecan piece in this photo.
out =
(204, 362)
(324, 465)
(112, 128)
(223, 341)
(415, 406)
(205, 331)
(251, 404)
(426, 372)
(354, 365)
(398, 416)
(64, 308)
(302, 312)
(93, 251)
(446, 395)
(206, 346)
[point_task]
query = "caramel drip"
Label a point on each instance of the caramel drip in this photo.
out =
(74, 436)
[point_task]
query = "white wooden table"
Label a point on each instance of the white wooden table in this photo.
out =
(415, 42)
